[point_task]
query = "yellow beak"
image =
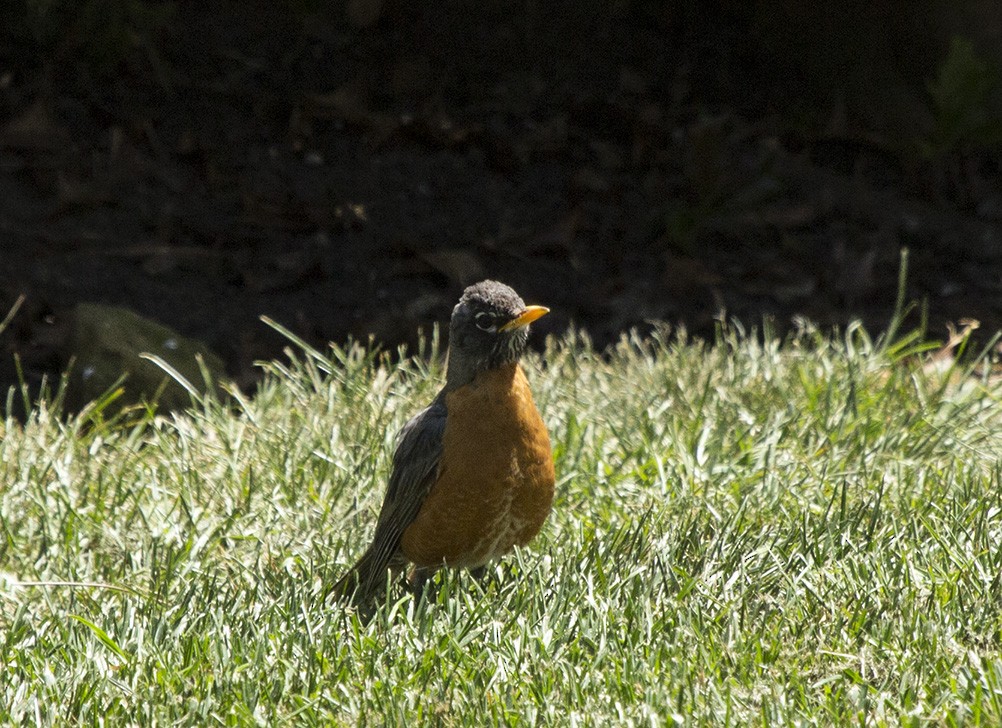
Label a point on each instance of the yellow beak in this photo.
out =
(530, 314)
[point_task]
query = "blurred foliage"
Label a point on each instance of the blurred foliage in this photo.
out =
(96, 35)
(964, 99)
(834, 68)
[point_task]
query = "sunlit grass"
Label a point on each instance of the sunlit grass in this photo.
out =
(754, 531)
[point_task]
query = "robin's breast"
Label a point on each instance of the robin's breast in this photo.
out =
(495, 484)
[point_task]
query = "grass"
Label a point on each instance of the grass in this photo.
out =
(806, 531)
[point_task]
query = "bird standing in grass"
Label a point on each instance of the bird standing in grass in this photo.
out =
(473, 472)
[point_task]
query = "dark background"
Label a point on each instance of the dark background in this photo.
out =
(347, 169)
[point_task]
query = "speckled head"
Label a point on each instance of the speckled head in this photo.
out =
(489, 328)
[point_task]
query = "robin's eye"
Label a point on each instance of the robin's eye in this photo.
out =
(485, 321)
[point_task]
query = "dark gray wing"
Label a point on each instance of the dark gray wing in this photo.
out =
(415, 467)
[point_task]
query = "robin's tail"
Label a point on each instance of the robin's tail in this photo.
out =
(364, 581)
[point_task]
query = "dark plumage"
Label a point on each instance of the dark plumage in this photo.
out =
(478, 340)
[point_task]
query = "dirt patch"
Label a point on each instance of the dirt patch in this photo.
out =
(350, 182)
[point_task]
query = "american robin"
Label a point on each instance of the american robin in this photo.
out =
(473, 472)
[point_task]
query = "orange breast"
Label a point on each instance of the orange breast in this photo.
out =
(495, 482)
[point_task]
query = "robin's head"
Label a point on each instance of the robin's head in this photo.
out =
(490, 327)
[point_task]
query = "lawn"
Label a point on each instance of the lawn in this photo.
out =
(758, 530)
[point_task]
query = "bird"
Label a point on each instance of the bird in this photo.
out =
(472, 474)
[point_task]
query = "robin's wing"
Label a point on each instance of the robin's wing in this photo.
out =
(415, 468)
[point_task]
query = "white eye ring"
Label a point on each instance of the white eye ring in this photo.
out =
(485, 321)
